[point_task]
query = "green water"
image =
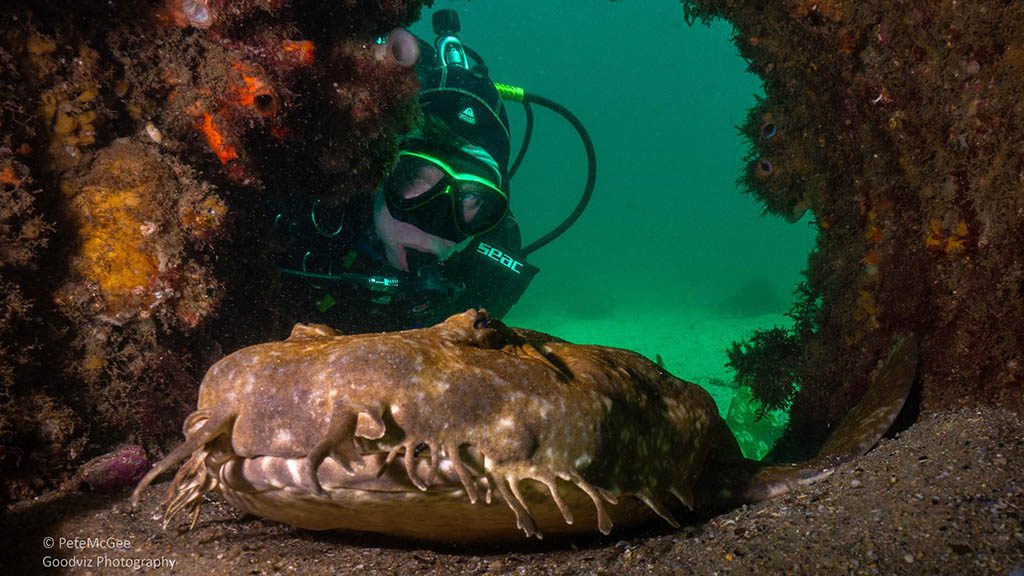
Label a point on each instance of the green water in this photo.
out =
(668, 239)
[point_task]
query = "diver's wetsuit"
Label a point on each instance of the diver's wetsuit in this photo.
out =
(362, 302)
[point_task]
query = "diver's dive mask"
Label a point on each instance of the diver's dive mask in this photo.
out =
(477, 203)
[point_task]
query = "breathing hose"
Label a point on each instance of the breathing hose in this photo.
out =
(527, 134)
(517, 94)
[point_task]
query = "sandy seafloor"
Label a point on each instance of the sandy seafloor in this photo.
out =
(945, 496)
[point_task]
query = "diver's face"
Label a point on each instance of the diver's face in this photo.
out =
(418, 180)
(433, 192)
(430, 205)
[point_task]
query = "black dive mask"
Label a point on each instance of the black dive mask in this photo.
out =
(430, 194)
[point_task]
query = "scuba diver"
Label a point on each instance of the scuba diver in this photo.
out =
(438, 236)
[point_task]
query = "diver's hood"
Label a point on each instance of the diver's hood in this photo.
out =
(467, 102)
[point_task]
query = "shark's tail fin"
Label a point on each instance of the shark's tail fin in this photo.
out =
(862, 428)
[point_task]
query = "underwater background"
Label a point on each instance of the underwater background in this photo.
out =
(900, 132)
(671, 258)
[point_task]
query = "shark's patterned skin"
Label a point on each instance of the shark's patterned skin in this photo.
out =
(467, 430)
